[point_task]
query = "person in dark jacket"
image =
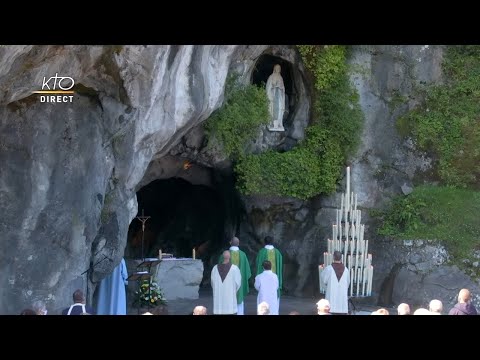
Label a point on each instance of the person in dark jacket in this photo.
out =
(78, 307)
(464, 305)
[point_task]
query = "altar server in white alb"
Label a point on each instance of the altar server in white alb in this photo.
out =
(226, 279)
(267, 285)
(336, 279)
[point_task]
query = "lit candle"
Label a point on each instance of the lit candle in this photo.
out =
(341, 208)
(351, 282)
(348, 190)
(359, 279)
(362, 262)
(193, 253)
(160, 254)
(365, 276)
(320, 269)
(351, 205)
(355, 202)
(370, 278)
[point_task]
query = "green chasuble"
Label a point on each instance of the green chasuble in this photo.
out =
(275, 257)
(239, 258)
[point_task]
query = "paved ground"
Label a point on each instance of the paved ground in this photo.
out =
(306, 306)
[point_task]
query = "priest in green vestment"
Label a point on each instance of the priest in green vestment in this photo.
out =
(239, 258)
(272, 254)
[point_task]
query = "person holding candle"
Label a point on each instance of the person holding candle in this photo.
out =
(336, 279)
(239, 258)
(225, 280)
(272, 254)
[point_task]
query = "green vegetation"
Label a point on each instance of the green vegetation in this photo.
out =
(326, 63)
(309, 169)
(238, 121)
(315, 164)
(447, 214)
(447, 124)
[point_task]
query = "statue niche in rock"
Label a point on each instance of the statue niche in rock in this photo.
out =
(276, 96)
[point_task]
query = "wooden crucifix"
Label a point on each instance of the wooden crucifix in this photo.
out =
(143, 219)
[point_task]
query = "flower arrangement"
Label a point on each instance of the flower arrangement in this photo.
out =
(150, 294)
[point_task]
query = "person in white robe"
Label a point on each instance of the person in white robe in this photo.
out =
(336, 279)
(266, 284)
(225, 279)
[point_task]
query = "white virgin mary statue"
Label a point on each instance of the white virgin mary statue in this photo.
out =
(276, 96)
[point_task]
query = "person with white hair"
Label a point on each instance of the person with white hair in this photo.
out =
(403, 309)
(381, 311)
(435, 307)
(263, 308)
(323, 307)
(200, 310)
(422, 311)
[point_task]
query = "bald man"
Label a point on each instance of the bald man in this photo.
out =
(239, 258)
(464, 305)
(225, 280)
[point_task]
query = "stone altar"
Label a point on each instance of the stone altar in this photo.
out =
(179, 278)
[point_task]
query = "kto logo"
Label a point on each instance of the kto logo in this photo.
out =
(58, 85)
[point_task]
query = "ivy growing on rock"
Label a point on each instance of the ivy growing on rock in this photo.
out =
(238, 121)
(447, 125)
(313, 166)
(445, 214)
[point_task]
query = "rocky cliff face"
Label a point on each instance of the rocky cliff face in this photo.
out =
(69, 171)
(386, 78)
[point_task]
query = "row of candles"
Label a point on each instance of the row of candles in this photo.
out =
(348, 239)
(355, 243)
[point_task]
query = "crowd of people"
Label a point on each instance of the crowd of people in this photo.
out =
(230, 279)
(78, 307)
(230, 284)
